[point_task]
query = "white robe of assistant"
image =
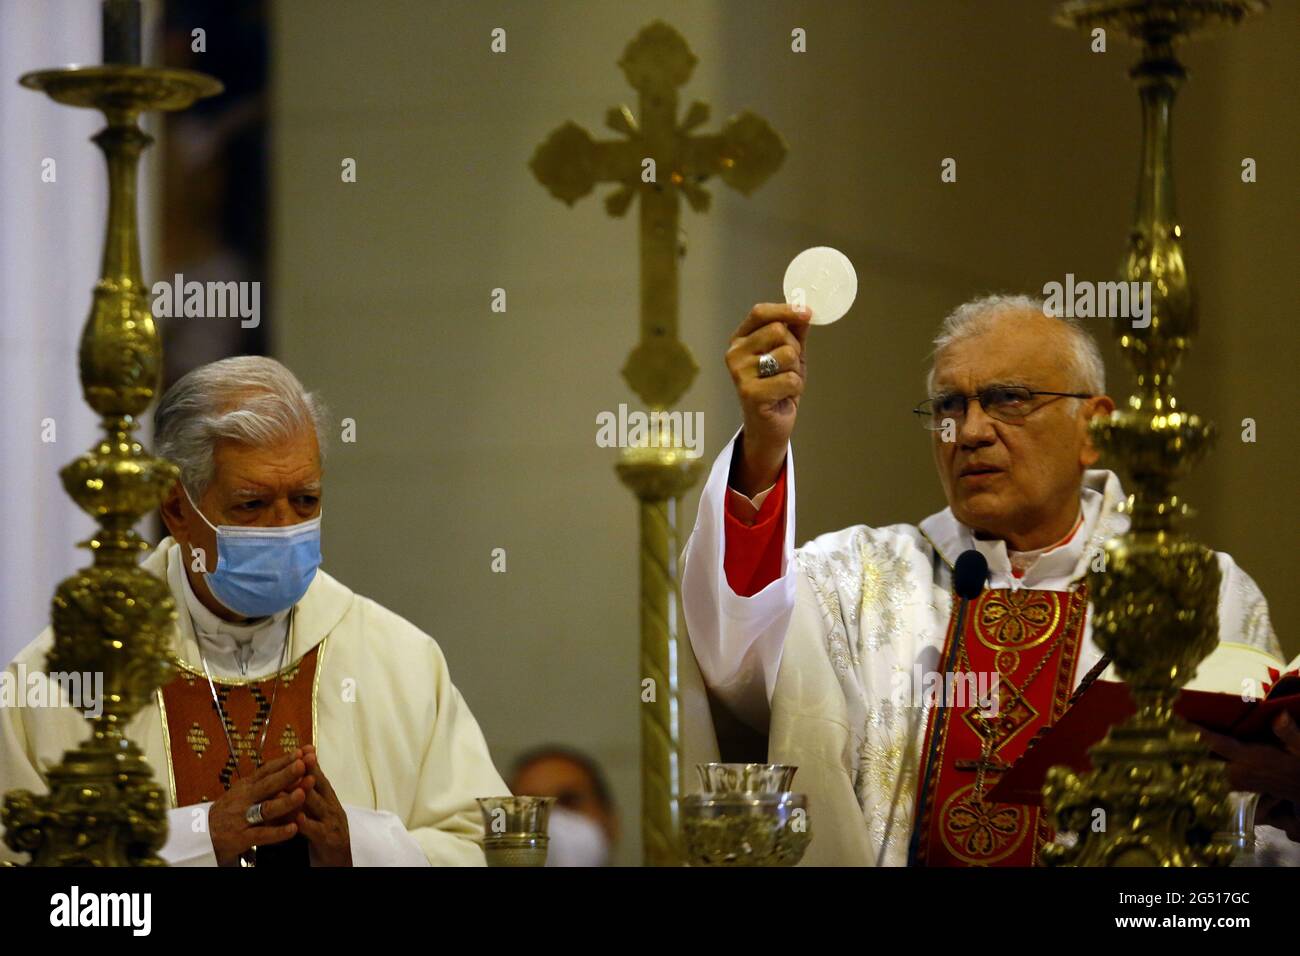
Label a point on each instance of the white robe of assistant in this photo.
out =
(394, 736)
(813, 657)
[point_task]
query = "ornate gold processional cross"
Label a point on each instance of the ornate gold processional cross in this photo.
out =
(659, 160)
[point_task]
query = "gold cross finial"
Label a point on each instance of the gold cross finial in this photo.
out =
(657, 159)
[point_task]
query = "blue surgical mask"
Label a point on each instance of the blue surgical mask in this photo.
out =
(262, 571)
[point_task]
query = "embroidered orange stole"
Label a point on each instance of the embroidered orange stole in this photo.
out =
(1030, 639)
(201, 763)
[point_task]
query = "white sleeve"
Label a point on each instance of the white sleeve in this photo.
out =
(379, 839)
(189, 841)
(737, 640)
(1243, 609)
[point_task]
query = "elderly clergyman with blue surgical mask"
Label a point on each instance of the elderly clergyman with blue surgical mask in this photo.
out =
(303, 724)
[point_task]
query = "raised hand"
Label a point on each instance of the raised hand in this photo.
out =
(769, 404)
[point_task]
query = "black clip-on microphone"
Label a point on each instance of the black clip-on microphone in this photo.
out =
(969, 575)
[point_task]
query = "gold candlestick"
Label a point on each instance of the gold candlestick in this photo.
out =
(103, 807)
(1156, 603)
(661, 368)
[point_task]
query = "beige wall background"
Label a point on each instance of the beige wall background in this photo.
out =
(476, 430)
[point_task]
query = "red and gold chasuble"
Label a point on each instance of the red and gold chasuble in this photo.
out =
(200, 764)
(1031, 640)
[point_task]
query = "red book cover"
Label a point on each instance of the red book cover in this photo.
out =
(1105, 703)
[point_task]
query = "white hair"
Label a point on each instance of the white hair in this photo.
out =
(248, 398)
(1086, 366)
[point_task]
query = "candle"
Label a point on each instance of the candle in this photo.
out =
(120, 31)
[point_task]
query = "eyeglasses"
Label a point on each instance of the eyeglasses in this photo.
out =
(1010, 404)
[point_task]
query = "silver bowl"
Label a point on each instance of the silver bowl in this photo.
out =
(745, 829)
(719, 778)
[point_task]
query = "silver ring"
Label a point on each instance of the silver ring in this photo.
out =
(254, 814)
(767, 366)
